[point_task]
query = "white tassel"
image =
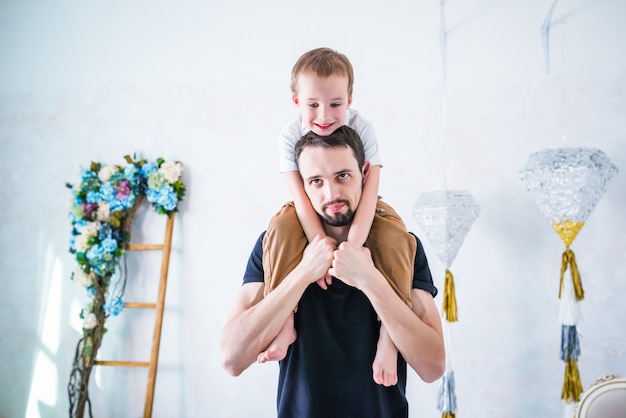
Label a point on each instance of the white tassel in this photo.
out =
(569, 309)
(568, 410)
(447, 395)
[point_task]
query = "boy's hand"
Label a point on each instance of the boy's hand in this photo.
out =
(317, 257)
(324, 282)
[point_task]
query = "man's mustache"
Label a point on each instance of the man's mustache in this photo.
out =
(334, 202)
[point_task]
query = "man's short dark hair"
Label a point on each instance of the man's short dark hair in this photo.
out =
(343, 136)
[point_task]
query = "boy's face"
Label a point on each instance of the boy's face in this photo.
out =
(322, 102)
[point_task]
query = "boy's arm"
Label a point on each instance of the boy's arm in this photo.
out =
(309, 219)
(362, 223)
(307, 216)
(256, 320)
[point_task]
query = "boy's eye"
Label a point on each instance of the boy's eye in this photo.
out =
(313, 105)
(335, 105)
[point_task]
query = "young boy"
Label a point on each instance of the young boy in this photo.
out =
(321, 84)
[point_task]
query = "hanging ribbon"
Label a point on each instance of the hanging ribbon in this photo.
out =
(569, 307)
(447, 396)
(570, 260)
(449, 298)
(572, 387)
(570, 345)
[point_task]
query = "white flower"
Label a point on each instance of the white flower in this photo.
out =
(104, 212)
(90, 320)
(105, 173)
(80, 243)
(171, 171)
(90, 229)
(83, 279)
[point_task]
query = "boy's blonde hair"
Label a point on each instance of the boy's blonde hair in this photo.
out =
(323, 62)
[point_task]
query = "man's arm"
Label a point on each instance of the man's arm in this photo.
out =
(417, 332)
(256, 320)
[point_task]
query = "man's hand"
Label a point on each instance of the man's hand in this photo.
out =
(353, 265)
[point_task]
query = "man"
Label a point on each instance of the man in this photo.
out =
(327, 370)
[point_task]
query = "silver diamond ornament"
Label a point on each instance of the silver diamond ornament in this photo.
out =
(446, 217)
(567, 183)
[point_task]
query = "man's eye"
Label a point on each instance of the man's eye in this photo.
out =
(343, 176)
(316, 182)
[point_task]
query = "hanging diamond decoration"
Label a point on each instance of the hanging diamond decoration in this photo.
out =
(446, 217)
(566, 184)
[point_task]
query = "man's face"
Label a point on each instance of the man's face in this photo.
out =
(323, 102)
(332, 181)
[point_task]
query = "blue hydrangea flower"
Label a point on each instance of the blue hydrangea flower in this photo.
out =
(128, 201)
(93, 197)
(94, 252)
(109, 245)
(163, 196)
(86, 174)
(130, 172)
(80, 224)
(148, 168)
(114, 306)
(107, 192)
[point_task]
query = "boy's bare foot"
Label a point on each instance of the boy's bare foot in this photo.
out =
(271, 355)
(385, 366)
(277, 350)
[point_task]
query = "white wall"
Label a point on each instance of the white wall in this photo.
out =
(207, 83)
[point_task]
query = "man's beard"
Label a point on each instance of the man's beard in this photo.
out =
(338, 219)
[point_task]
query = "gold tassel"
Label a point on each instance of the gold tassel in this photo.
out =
(448, 415)
(570, 260)
(449, 298)
(572, 387)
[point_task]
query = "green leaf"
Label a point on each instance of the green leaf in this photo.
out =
(115, 222)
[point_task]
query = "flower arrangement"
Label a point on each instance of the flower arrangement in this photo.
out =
(101, 210)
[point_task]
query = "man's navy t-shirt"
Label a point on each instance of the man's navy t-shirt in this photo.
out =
(328, 369)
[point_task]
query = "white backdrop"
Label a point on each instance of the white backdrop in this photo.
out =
(207, 83)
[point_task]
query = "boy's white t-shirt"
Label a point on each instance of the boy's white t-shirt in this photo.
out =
(292, 134)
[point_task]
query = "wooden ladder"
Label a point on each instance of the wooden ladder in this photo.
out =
(165, 249)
